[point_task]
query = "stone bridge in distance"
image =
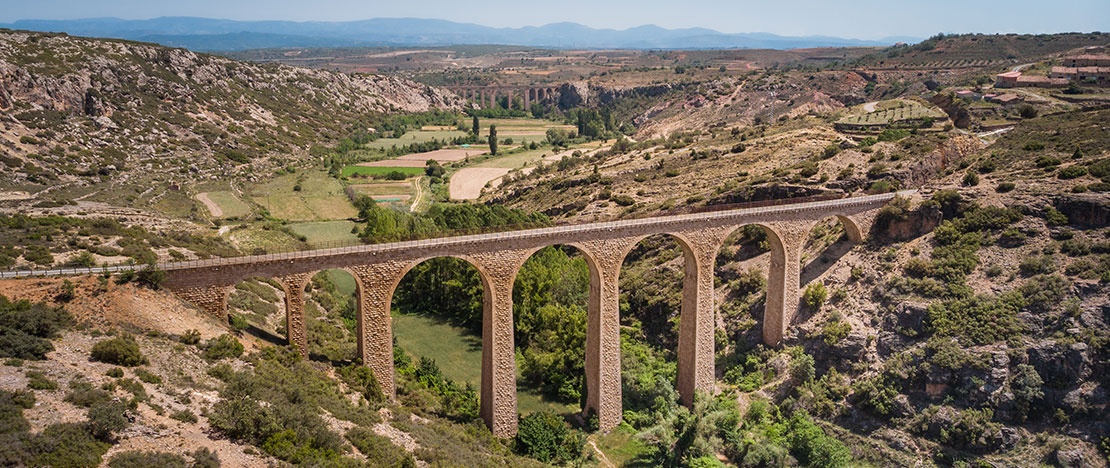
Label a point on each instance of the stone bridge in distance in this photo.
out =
(378, 269)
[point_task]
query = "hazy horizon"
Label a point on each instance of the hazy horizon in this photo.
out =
(863, 19)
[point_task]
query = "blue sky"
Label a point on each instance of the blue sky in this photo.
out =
(863, 19)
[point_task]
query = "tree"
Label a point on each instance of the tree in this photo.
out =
(493, 140)
(474, 126)
(1028, 112)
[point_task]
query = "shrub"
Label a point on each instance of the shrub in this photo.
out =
(82, 393)
(114, 372)
(971, 179)
(1072, 172)
(379, 451)
(122, 351)
(38, 381)
(836, 330)
(1027, 111)
(26, 328)
(1004, 187)
(361, 379)
(147, 376)
(185, 416)
(1043, 292)
(1027, 388)
(106, 418)
(812, 447)
(815, 295)
(139, 459)
(1054, 217)
(190, 337)
(1036, 265)
(223, 346)
(546, 437)
(1047, 161)
(204, 458)
(67, 445)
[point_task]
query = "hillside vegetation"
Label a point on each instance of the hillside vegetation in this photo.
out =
(969, 329)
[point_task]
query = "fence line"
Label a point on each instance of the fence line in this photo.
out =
(518, 231)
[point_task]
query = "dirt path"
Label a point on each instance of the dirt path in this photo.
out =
(211, 205)
(467, 184)
(602, 459)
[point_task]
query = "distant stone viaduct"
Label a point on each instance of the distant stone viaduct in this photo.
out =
(486, 96)
(498, 257)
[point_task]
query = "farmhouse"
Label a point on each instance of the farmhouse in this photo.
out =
(1085, 74)
(1087, 60)
(1006, 80)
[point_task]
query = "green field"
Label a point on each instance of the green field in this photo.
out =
(529, 158)
(326, 231)
(230, 204)
(371, 171)
(415, 136)
(344, 282)
(459, 356)
(385, 188)
(251, 238)
(320, 198)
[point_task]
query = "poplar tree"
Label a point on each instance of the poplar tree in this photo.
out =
(493, 140)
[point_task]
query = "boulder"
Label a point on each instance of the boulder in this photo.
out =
(1060, 365)
(1086, 210)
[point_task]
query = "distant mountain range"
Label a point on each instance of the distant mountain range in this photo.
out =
(204, 34)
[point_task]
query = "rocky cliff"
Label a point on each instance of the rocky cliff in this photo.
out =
(76, 106)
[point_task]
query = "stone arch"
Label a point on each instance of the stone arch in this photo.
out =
(690, 355)
(828, 250)
(592, 277)
(779, 283)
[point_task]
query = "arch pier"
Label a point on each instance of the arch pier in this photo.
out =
(498, 258)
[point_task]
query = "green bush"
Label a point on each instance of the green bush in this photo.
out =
(223, 346)
(361, 379)
(36, 380)
(122, 350)
(147, 376)
(815, 295)
(66, 445)
(1004, 187)
(971, 179)
(546, 437)
(1072, 172)
(812, 447)
(1054, 217)
(139, 459)
(26, 328)
(107, 418)
(185, 416)
(379, 451)
(82, 393)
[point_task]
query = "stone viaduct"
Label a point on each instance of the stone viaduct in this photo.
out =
(486, 96)
(498, 257)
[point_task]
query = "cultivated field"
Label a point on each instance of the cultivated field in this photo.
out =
(370, 171)
(893, 113)
(416, 136)
(320, 197)
(467, 183)
(321, 232)
(223, 204)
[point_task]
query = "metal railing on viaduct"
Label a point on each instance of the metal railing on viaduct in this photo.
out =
(378, 268)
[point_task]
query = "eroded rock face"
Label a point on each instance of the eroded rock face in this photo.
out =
(1061, 365)
(1087, 210)
(574, 94)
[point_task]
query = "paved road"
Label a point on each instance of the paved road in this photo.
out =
(467, 239)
